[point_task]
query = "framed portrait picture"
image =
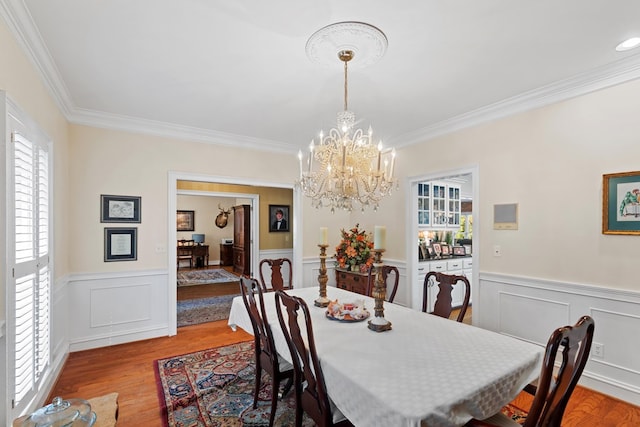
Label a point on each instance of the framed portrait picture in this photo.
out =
(437, 248)
(185, 220)
(431, 252)
(423, 253)
(119, 208)
(621, 203)
(278, 218)
(120, 244)
(446, 250)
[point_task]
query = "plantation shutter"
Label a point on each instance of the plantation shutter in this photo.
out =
(28, 210)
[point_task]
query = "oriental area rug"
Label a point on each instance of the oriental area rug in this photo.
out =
(202, 277)
(214, 388)
(196, 311)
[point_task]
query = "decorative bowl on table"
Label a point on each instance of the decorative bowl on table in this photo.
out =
(352, 311)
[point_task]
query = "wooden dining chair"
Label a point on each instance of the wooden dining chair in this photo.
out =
(310, 389)
(391, 278)
(266, 355)
(553, 390)
(443, 305)
(277, 277)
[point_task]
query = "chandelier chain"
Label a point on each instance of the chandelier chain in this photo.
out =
(345, 86)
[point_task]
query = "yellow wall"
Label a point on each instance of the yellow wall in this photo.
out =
(268, 196)
(550, 161)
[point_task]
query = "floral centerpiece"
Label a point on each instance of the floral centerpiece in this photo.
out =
(355, 250)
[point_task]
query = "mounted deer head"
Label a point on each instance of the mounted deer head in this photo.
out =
(223, 217)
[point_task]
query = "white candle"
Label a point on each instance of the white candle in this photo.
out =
(324, 236)
(300, 160)
(379, 237)
(393, 161)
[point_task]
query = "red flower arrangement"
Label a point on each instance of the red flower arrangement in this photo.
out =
(354, 250)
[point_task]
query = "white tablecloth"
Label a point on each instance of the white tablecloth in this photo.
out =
(426, 371)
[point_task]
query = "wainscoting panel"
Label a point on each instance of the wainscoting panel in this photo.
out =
(134, 305)
(114, 308)
(531, 309)
(516, 312)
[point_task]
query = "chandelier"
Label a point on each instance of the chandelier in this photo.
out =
(345, 166)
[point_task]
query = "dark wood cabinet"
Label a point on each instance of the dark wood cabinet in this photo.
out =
(352, 281)
(226, 254)
(242, 239)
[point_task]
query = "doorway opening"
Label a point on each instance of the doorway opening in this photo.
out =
(244, 198)
(421, 224)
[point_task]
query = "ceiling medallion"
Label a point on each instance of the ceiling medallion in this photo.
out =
(367, 42)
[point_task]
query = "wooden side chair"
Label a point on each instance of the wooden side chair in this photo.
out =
(266, 355)
(277, 276)
(443, 307)
(184, 252)
(310, 389)
(391, 278)
(554, 389)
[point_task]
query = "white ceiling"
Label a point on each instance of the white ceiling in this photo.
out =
(236, 72)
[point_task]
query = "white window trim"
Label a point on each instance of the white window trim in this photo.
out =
(13, 119)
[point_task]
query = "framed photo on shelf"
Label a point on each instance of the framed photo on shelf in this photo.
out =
(446, 250)
(459, 251)
(621, 203)
(119, 208)
(278, 218)
(120, 244)
(431, 252)
(185, 221)
(422, 251)
(437, 248)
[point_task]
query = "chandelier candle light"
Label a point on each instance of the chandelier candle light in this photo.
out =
(379, 323)
(322, 300)
(346, 166)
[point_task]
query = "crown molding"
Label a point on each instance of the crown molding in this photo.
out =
(605, 76)
(171, 130)
(20, 23)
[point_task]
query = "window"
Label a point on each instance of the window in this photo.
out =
(28, 249)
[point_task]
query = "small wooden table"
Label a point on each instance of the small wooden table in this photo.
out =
(352, 281)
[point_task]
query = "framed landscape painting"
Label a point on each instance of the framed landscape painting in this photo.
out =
(621, 203)
(185, 220)
(119, 208)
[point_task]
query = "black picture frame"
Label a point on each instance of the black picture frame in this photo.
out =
(423, 252)
(185, 220)
(621, 203)
(120, 244)
(459, 251)
(284, 225)
(121, 209)
(446, 249)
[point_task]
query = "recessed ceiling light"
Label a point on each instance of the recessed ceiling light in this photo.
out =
(628, 44)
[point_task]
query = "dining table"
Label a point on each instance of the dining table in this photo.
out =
(425, 371)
